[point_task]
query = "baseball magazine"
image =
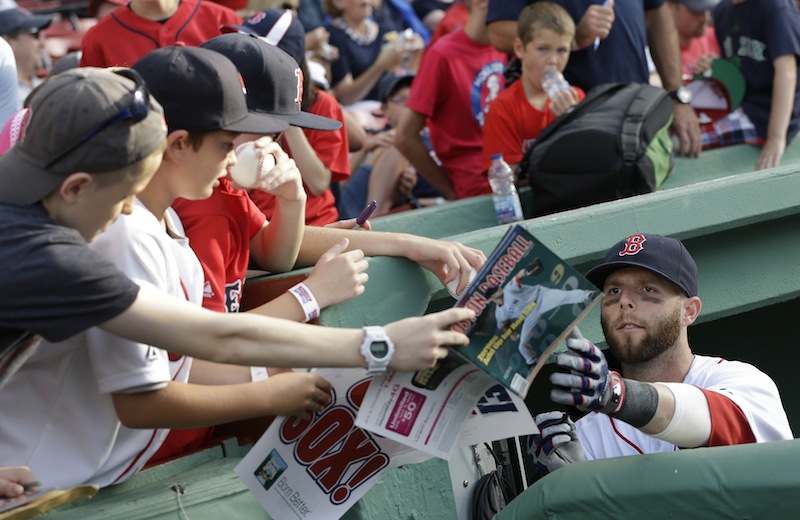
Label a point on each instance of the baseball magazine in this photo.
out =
(526, 301)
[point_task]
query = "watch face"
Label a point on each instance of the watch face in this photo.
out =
(684, 95)
(379, 349)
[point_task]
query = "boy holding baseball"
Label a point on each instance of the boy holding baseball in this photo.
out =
(69, 431)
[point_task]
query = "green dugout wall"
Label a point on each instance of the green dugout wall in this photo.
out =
(744, 232)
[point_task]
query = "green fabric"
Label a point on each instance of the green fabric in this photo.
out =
(749, 481)
(660, 153)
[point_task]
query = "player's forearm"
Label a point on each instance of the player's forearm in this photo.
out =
(662, 38)
(674, 412)
(316, 176)
(275, 247)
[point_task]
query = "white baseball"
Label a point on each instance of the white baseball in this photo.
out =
(451, 286)
(251, 166)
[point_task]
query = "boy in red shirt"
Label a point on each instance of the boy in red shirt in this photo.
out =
(518, 115)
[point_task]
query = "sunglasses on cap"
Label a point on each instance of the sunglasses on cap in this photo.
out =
(137, 110)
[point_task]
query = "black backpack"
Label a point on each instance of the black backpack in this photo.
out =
(613, 144)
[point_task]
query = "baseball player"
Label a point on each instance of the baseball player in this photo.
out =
(513, 299)
(666, 397)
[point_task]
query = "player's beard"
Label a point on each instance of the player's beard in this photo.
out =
(661, 335)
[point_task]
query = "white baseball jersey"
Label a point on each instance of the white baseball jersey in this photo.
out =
(58, 415)
(744, 402)
(517, 297)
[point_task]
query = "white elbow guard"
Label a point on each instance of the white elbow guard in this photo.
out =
(690, 426)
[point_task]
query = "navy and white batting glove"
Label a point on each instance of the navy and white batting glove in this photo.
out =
(589, 385)
(556, 445)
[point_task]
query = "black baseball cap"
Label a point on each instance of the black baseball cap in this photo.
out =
(273, 79)
(277, 27)
(391, 81)
(664, 256)
(13, 19)
(201, 91)
(81, 121)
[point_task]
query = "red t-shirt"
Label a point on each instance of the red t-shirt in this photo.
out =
(332, 149)
(706, 44)
(219, 229)
(457, 79)
(122, 37)
(512, 124)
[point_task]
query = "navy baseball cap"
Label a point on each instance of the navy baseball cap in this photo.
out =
(391, 81)
(698, 6)
(13, 19)
(277, 27)
(664, 256)
(201, 91)
(273, 79)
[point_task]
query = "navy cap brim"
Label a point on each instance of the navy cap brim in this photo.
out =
(255, 123)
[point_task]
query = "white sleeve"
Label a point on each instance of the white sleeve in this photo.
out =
(120, 364)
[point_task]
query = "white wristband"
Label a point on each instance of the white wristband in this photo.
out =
(306, 300)
(258, 374)
(690, 426)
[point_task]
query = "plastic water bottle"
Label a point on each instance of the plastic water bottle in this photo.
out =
(504, 192)
(553, 81)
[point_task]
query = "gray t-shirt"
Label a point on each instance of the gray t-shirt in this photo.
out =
(52, 283)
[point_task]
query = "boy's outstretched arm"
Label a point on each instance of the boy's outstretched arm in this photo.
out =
(158, 319)
(447, 260)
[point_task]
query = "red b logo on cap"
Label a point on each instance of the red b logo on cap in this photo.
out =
(633, 245)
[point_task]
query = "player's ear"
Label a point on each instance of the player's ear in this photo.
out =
(691, 310)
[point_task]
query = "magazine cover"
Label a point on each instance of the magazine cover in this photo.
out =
(526, 300)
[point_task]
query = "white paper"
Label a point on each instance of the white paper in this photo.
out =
(317, 469)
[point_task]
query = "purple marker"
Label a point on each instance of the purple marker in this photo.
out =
(364, 215)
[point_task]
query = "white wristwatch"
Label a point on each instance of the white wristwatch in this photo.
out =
(377, 349)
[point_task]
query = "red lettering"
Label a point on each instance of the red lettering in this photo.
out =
(357, 446)
(329, 429)
(356, 393)
(633, 245)
(369, 469)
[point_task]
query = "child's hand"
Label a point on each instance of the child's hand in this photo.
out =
(12, 479)
(338, 275)
(771, 154)
(702, 64)
(284, 179)
(563, 101)
(296, 393)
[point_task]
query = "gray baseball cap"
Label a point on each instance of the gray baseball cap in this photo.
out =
(82, 120)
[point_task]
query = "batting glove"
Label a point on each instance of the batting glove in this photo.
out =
(556, 445)
(589, 385)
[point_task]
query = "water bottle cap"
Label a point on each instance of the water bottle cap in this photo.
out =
(497, 156)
